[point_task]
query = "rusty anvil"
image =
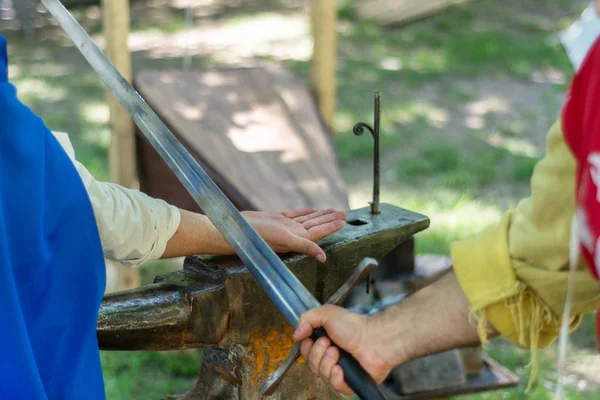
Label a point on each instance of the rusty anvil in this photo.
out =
(216, 304)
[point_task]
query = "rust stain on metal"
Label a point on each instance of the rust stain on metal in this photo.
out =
(225, 363)
(266, 353)
(182, 342)
(229, 376)
(229, 321)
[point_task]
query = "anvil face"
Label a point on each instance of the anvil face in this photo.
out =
(215, 301)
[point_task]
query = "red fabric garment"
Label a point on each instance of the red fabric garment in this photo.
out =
(581, 129)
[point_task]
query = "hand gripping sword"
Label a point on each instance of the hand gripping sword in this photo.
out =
(281, 285)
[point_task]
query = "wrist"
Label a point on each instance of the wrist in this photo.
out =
(389, 336)
(216, 243)
(432, 320)
(196, 234)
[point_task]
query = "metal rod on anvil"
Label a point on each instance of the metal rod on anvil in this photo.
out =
(287, 292)
(376, 178)
(358, 130)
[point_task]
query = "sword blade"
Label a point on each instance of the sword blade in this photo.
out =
(286, 291)
(289, 295)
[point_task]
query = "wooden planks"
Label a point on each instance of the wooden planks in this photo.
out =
(390, 12)
(256, 131)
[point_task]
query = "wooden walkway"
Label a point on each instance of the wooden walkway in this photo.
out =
(256, 131)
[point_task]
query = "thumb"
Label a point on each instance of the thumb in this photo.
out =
(315, 318)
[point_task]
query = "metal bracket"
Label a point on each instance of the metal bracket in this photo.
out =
(358, 130)
(362, 271)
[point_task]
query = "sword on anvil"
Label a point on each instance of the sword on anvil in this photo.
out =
(287, 292)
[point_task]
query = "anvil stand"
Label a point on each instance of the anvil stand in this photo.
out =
(214, 303)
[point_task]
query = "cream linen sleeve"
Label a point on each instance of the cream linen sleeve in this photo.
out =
(134, 228)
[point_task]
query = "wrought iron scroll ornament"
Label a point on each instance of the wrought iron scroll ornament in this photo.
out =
(358, 130)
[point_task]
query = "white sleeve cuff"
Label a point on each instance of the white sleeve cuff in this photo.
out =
(171, 223)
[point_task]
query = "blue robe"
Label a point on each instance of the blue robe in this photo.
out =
(52, 274)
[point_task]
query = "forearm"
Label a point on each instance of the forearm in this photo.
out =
(433, 320)
(196, 235)
(136, 228)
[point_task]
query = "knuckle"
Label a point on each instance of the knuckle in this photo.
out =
(305, 349)
(323, 343)
(314, 366)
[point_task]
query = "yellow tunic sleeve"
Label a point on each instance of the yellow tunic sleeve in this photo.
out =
(515, 274)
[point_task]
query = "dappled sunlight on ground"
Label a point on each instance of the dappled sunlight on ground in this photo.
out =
(287, 38)
(514, 145)
(96, 112)
(585, 372)
(477, 110)
(33, 88)
(418, 109)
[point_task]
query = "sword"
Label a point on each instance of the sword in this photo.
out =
(287, 292)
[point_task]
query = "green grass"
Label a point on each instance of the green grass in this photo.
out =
(138, 375)
(480, 40)
(482, 166)
(472, 39)
(518, 360)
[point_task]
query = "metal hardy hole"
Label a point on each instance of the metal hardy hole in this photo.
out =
(357, 222)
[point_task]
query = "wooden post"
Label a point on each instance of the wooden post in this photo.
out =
(122, 157)
(323, 65)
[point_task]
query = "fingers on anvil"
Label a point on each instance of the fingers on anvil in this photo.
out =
(320, 231)
(323, 219)
(315, 214)
(298, 213)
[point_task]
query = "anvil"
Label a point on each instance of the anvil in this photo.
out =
(215, 303)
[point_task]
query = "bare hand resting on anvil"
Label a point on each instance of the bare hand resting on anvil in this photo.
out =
(287, 232)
